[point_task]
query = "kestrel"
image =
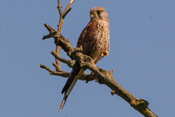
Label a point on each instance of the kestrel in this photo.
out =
(95, 42)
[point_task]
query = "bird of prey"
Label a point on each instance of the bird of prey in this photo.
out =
(95, 42)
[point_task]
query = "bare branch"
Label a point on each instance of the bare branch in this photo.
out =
(52, 72)
(59, 7)
(85, 77)
(60, 26)
(65, 13)
(51, 30)
(60, 58)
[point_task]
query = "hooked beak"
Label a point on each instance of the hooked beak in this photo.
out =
(93, 14)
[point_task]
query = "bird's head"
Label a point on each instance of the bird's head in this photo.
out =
(99, 13)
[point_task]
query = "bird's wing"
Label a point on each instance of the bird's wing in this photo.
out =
(87, 38)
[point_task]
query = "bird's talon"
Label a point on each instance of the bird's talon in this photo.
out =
(105, 53)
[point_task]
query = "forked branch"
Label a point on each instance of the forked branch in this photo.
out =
(60, 26)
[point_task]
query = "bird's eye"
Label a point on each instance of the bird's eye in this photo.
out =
(98, 12)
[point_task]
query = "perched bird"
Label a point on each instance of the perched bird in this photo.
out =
(95, 42)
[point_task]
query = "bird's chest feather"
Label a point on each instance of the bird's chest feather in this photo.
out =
(102, 36)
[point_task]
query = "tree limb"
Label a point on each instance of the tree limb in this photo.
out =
(60, 26)
(85, 77)
(101, 75)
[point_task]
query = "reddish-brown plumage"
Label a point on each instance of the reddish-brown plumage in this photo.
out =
(95, 38)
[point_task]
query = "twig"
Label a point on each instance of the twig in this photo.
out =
(85, 77)
(68, 8)
(59, 7)
(60, 58)
(52, 72)
(51, 30)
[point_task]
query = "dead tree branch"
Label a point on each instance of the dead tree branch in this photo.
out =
(60, 26)
(102, 76)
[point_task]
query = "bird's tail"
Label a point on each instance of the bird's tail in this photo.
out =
(74, 76)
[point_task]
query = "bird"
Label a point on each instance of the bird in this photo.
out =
(95, 42)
